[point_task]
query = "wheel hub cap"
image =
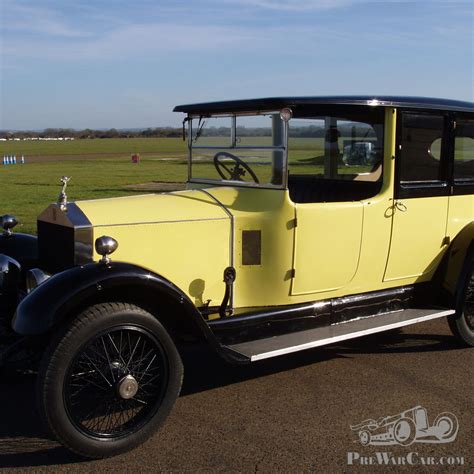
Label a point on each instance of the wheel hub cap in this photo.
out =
(127, 387)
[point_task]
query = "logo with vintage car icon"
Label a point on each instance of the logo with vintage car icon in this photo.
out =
(407, 427)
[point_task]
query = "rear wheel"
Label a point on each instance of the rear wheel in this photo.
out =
(462, 323)
(109, 380)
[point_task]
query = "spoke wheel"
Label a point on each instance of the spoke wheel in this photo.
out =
(108, 380)
(116, 382)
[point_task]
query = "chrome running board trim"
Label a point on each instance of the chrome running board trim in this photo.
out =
(302, 340)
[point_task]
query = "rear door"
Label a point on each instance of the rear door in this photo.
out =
(420, 210)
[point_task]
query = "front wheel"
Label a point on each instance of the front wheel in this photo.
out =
(109, 380)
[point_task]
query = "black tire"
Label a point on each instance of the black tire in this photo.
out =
(86, 366)
(462, 323)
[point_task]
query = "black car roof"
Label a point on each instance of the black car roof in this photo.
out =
(276, 103)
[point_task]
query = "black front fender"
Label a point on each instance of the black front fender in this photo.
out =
(22, 247)
(62, 294)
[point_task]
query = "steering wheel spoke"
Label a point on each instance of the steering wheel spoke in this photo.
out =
(234, 174)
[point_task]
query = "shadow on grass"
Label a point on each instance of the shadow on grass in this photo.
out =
(24, 442)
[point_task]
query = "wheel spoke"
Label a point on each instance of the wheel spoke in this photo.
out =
(93, 386)
(140, 401)
(148, 366)
(133, 352)
(119, 351)
(98, 370)
(106, 352)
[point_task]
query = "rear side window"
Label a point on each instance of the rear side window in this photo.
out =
(422, 159)
(464, 152)
(421, 148)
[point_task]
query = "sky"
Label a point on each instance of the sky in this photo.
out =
(126, 64)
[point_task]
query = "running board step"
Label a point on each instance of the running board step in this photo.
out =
(299, 341)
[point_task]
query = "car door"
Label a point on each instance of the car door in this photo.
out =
(335, 165)
(420, 208)
(327, 245)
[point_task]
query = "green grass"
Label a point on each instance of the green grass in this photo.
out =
(25, 190)
(114, 146)
(28, 189)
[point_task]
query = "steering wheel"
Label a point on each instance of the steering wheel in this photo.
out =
(237, 172)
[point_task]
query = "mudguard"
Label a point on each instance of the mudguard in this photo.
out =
(10, 277)
(63, 293)
(10, 271)
(21, 247)
(458, 263)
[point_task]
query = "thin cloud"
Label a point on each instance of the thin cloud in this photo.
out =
(138, 40)
(308, 5)
(293, 5)
(19, 17)
(141, 41)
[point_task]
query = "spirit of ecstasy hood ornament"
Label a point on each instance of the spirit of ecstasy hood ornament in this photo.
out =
(62, 198)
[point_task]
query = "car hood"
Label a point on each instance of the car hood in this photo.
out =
(192, 205)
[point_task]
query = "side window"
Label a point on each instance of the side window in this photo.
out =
(421, 164)
(464, 152)
(335, 158)
(420, 148)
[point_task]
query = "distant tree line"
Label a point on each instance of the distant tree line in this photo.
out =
(88, 133)
(312, 131)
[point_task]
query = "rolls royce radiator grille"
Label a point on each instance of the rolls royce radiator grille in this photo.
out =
(55, 247)
(64, 239)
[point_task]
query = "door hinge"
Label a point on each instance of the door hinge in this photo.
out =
(292, 273)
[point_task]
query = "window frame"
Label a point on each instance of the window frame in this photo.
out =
(459, 188)
(420, 189)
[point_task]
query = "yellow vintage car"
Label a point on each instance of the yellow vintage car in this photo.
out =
(305, 221)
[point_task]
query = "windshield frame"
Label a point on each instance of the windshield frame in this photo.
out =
(233, 145)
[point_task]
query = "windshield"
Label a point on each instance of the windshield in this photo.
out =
(243, 150)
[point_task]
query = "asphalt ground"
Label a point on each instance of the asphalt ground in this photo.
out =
(289, 414)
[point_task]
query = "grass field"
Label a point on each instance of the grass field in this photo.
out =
(109, 146)
(101, 168)
(25, 190)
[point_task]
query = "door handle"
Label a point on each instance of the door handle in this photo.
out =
(400, 206)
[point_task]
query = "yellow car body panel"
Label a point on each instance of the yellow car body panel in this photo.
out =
(418, 240)
(272, 213)
(461, 213)
(336, 228)
(183, 236)
(149, 208)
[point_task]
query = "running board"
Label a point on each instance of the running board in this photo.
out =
(299, 341)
